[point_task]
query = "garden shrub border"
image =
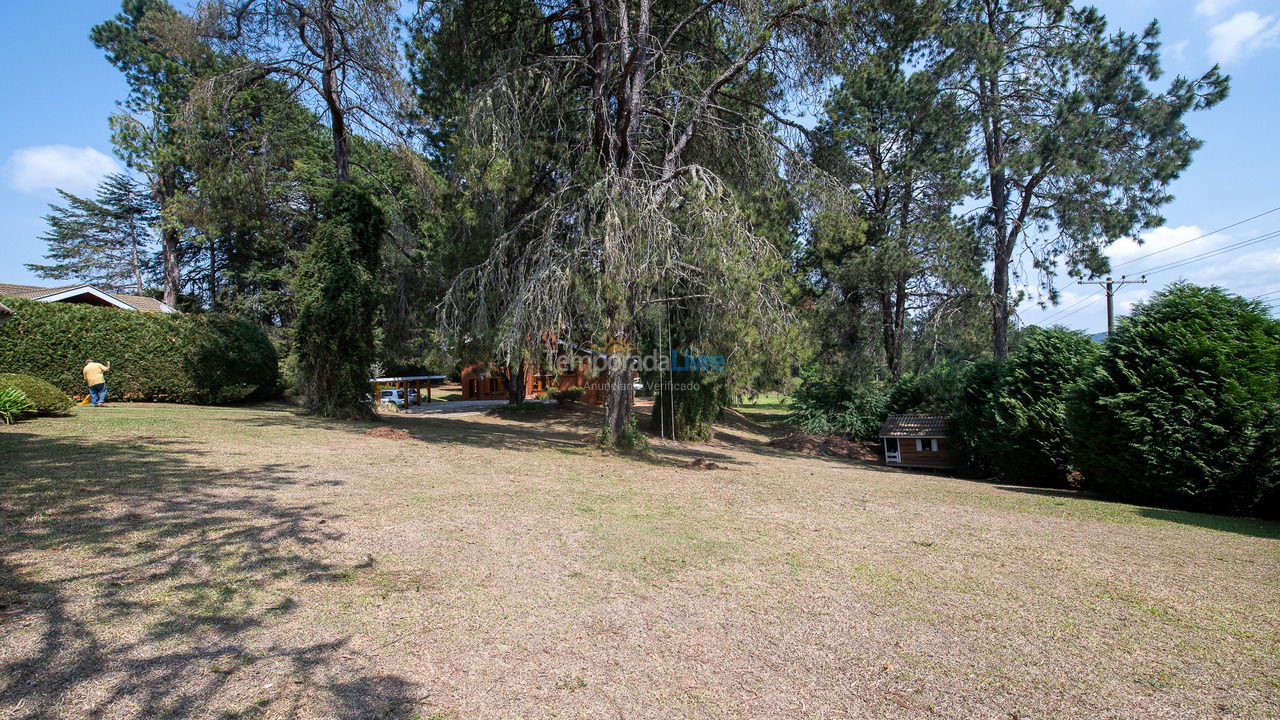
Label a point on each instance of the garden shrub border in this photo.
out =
(191, 358)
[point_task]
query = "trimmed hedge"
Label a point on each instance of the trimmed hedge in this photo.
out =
(200, 359)
(45, 399)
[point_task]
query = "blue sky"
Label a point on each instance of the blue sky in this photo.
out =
(60, 91)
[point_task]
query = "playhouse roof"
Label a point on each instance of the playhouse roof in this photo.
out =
(915, 426)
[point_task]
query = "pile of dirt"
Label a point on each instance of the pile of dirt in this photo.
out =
(703, 464)
(828, 446)
(389, 433)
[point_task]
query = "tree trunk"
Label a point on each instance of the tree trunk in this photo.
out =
(888, 334)
(515, 382)
(617, 399)
(1002, 255)
(163, 191)
(213, 278)
(172, 275)
(337, 117)
(1000, 310)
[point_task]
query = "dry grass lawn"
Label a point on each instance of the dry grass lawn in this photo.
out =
(175, 562)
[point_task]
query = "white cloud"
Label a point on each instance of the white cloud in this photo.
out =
(1245, 33)
(37, 170)
(1165, 240)
(1209, 8)
(1178, 50)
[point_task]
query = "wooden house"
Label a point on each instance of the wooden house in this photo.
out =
(920, 441)
(485, 381)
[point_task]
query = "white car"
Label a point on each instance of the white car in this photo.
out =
(396, 397)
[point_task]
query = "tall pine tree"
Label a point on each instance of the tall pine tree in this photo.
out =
(107, 242)
(1074, 147)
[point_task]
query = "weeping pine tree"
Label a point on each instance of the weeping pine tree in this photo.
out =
(658, 111)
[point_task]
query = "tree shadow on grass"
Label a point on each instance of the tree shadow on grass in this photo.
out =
(136, 583)
(1222, 523)
(571, 431)
(1251, 527)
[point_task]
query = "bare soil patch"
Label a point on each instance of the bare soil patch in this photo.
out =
(828, 446)
(389, 433)
(703, 464)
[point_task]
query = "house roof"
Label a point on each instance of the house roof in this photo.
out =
(66, 292)
(915, 426)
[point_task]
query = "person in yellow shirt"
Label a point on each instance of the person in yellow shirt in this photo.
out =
(93, 376)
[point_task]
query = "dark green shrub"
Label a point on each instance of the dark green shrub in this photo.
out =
(567, 395)
(631, 441)
(14, 405)
(971, 417)
(825, 406)
(338, 294)
(1026, 429)
(45, 399)
(1181, 409)
(688, 403)
(207, 358)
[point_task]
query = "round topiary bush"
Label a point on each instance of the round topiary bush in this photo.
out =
(44, 398)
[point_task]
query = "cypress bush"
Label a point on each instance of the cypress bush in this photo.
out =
(1182, 409)
(337, 294)
(932, 390)
(190, 358)
(971, 417)
(44, 398)
(1026, 427)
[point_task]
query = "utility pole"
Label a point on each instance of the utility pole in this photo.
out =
(1110, 286)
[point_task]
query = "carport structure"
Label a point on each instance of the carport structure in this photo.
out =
(406, 383)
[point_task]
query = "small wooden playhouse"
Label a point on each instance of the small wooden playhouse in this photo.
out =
(920, 441)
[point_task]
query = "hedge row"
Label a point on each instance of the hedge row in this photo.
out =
(200, 359)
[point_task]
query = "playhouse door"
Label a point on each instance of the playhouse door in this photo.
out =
(892, 453)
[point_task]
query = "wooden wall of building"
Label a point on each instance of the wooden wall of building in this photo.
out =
(911, 457)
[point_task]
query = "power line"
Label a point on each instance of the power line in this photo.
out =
(1062, 313)
(1073, 312)
(1075, 307)
(1200, 237)
(1212, 253)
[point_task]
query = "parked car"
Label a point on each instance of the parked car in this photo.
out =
(396, 397)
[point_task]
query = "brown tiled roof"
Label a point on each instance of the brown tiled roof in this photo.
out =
(142, 302)
(35, 292)
(915, 426)
(29, 292)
